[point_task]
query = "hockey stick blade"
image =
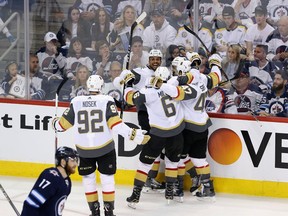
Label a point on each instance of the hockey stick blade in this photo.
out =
(198, 38)
(141, 17)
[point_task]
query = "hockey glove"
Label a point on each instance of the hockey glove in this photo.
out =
(215, 59)
(54, 122)
(138, 136)
(127, 77)
(155, 82)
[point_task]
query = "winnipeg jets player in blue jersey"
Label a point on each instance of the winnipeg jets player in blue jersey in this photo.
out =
(53, 186)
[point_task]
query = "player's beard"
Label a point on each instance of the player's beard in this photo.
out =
(70, 170)
(277, 88)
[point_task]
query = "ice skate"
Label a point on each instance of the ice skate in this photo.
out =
(207, 192)
(169, 192)
(153, 186)
(134, 198)
(95, 208)
(178, 192)
(195, 184)
(108, 209)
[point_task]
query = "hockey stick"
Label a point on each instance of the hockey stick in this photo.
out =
(137, 21)
(56, 107)
(9, 200)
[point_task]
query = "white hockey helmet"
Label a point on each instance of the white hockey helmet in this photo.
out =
(155, 53)
(95, 83)
(183, 67)
(177, 60)
(194, 58)
(163, 73)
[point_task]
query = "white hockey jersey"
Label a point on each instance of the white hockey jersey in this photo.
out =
(93, 117)
(166, 118)
(192, 97)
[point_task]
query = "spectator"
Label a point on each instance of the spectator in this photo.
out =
(219, 101)
(257, 33)
(212, 9)
(164, 5)
(276, 9)
(246, 95)
(81, 76)
(9, 83)
(261, 70)
(77, 56)
(38, 82)
(277, 42)
(52, 59)
(103, 60)
(74, 26)
(120, 35)
(101, 27)
(48, 11)
(109, 88)
(171, 53)
(186, 39)
(5, 30)
(53, 185)
(274, 103)
(88, 8)
(136, 4)
(232, 60)
(138, 56)
(204, 66)
(234, 33)
(159, 34)
(244, 10)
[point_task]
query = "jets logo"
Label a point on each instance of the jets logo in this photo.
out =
(50, 65)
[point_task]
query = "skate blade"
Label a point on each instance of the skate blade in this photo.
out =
(152, 191)
(131, 205)
(206, 199)
(169, 201)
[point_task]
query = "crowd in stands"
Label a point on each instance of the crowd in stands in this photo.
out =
(250, 35)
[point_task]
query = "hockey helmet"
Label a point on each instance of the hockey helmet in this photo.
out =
(95, 83)
(65, 153)
(155, 53)
(163, 73)
(183, 67)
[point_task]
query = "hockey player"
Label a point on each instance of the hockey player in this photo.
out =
(166, 121)
(95, 117)
(192, 97)
(53, 186)
(136, 78)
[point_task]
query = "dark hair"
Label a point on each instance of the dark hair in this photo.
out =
(101, 43)
(96, 29)
(283, 74)
(137, 39)
(169, 52)
(71, 51)
(263, 46)
(70, 10)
